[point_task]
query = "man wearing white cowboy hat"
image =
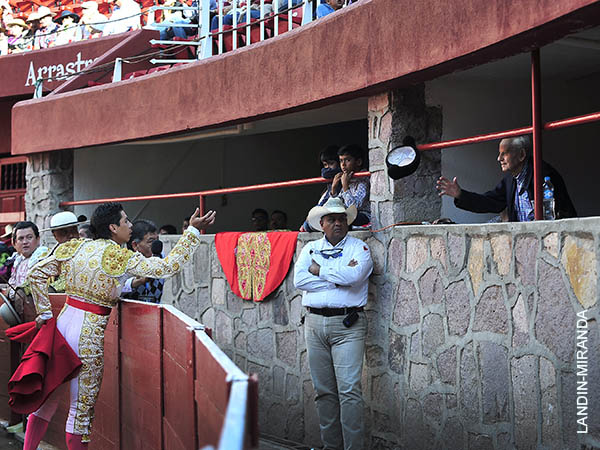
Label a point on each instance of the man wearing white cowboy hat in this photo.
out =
(334, 273)
(46, 33)
(92, 20)
(64, 226)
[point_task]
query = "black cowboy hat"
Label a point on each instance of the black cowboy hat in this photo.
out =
(402, 161)
(67, 13)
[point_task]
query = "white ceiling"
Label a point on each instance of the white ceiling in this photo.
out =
(573, 57)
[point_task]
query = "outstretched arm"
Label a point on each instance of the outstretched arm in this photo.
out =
(155, 267)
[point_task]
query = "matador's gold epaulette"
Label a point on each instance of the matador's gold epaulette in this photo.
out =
(68, 249)
(115, 260)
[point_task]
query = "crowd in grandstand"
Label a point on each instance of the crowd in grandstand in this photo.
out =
(45, 27)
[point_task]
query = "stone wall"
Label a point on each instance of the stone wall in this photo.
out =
(471, 345)
(49, 179)
(393, 116)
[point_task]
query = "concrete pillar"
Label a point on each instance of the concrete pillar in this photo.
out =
(392, 116)
(49, 178)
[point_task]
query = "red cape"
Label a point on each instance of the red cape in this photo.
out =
(273, 257)
(48, 362)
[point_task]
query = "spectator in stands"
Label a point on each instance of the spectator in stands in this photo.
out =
(26, 240)
(278, 220)
(68, 30)
(5, 13)
(260, 220)
(125, 17)
(328, 6)
(143, 234)
(3, 42)
(354, 191)
(5, 16)
(85, 231)
(241, 13)
(186, 223)
(19, 41)
(167, 229)
(45, 36)
(93, 21)
(168, 26)
(283, 4)
(515, 190)
(7, 253)
(330, 167)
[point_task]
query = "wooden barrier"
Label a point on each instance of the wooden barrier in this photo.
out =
(166, 384)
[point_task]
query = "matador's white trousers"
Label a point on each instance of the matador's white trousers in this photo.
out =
(84, 332)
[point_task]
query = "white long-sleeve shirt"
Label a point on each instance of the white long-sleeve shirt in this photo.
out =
(339, 285)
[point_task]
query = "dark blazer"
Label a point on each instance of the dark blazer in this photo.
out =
(503, 195)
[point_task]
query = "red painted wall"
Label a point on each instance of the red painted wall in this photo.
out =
(365, 48)
(5, 119)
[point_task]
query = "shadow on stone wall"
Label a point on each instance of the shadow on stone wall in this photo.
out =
(471, 345)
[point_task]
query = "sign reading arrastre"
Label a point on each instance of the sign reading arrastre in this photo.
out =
(56, 72)
(19, 72)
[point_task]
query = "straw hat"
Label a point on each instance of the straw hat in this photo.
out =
(17, 21)
(8, 230)
(334, 205)
(90, 5)
(8, 313)
(64, 219)
(44, 11)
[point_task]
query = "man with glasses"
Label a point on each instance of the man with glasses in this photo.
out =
(334, 273)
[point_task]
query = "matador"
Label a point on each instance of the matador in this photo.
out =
(94, 273)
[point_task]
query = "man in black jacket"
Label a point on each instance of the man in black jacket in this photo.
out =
(515, 190)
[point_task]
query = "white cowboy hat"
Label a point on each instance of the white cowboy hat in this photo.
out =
(90, 5)
(64, 219)
(8, 229)
(8, 313)
(44, 11)
(334, 205)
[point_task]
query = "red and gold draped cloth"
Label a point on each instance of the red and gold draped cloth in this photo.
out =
(255, 264)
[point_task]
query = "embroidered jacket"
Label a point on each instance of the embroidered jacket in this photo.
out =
(95, 270)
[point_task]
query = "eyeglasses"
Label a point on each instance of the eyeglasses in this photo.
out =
(331, 253)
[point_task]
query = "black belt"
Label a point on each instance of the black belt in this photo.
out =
(328, 312)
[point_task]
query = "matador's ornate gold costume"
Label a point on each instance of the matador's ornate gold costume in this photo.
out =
(94, 273)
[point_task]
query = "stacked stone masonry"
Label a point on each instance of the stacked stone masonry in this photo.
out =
(49, 179)
(392, 116)
(471, 344)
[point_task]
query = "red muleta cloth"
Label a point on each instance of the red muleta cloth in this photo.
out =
(24, 332)
(255, 264)
(48, 362)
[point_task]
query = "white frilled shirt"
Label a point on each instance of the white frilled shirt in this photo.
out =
(338, 285)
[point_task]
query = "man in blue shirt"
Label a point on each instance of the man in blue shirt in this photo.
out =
(334, 273)
(328, 6)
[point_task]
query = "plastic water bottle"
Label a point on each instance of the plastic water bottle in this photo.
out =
(548, 200)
